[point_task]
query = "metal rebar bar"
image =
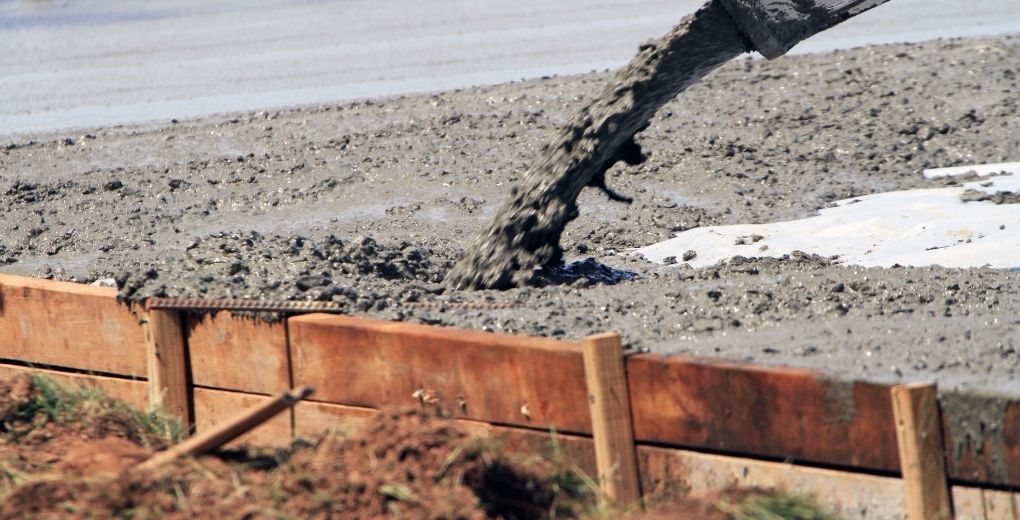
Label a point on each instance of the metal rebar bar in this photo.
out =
(240, 304)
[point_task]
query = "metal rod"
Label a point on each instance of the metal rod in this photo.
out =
(237, 304)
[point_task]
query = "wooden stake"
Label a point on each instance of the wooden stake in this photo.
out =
(167, 368)
(612, 428)
(223, 433)
(922, 457)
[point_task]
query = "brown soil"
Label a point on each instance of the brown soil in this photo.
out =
(404, 464)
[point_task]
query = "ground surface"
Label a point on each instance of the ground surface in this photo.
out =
(368, 204)
(69, 452)
(70, 64)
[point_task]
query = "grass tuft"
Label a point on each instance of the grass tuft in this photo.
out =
(778, 505)
(88, 407)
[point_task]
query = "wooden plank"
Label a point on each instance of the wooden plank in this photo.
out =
(69, 325)
(213, 407)
(133, 392)
(922, 455)
(489, 377)
(998, 505)
(968, 504)
(669, 473)
(793, 414)
(312, 419)
(238, 353)
(166, 355)
(982, 434)
(610, 417)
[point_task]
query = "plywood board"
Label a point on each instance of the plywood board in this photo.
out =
(215, 406)
(133, 392)
(490, 377)
(238, 353)
(968, 504)
(69, 325)
(312, 419)
(998, 505)
(982, 438)
(670, 472)
(742, 409)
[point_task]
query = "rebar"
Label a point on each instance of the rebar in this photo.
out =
(241, 304)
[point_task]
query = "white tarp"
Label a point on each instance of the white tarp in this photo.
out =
(909, 228)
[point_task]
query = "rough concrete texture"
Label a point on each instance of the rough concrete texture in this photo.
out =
(276, 204)
(526, 232)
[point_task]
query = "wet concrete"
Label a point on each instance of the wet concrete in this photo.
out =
(370, 203)
(525, 234)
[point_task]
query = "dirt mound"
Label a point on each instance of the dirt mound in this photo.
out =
(37, 411)
(403, 464)
(419, 467)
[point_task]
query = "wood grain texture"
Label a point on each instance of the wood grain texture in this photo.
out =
(133, 392)
(669, 473)
(793, 414)
(989, 452)
(999, 505)
(69, 325)
(166, 356)
(490, 377)
(612, 430)
(213, 407)
(922, 455)
(312, 419)
(238, 353)
(968, 504)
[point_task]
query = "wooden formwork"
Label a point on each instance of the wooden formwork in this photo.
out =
(697, 423)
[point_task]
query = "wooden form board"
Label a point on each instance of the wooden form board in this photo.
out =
(770, 412)
(488, 377)
(239, 353)
(213, 407)
(922, 453)
(532, 382)
(69, 325)
(982, 438)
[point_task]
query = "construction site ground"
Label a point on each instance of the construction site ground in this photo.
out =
(368, 204)
(71, 452)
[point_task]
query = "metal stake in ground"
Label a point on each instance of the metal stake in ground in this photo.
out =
(526, 232)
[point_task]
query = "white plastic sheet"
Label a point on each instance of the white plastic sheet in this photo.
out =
(909, 228)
